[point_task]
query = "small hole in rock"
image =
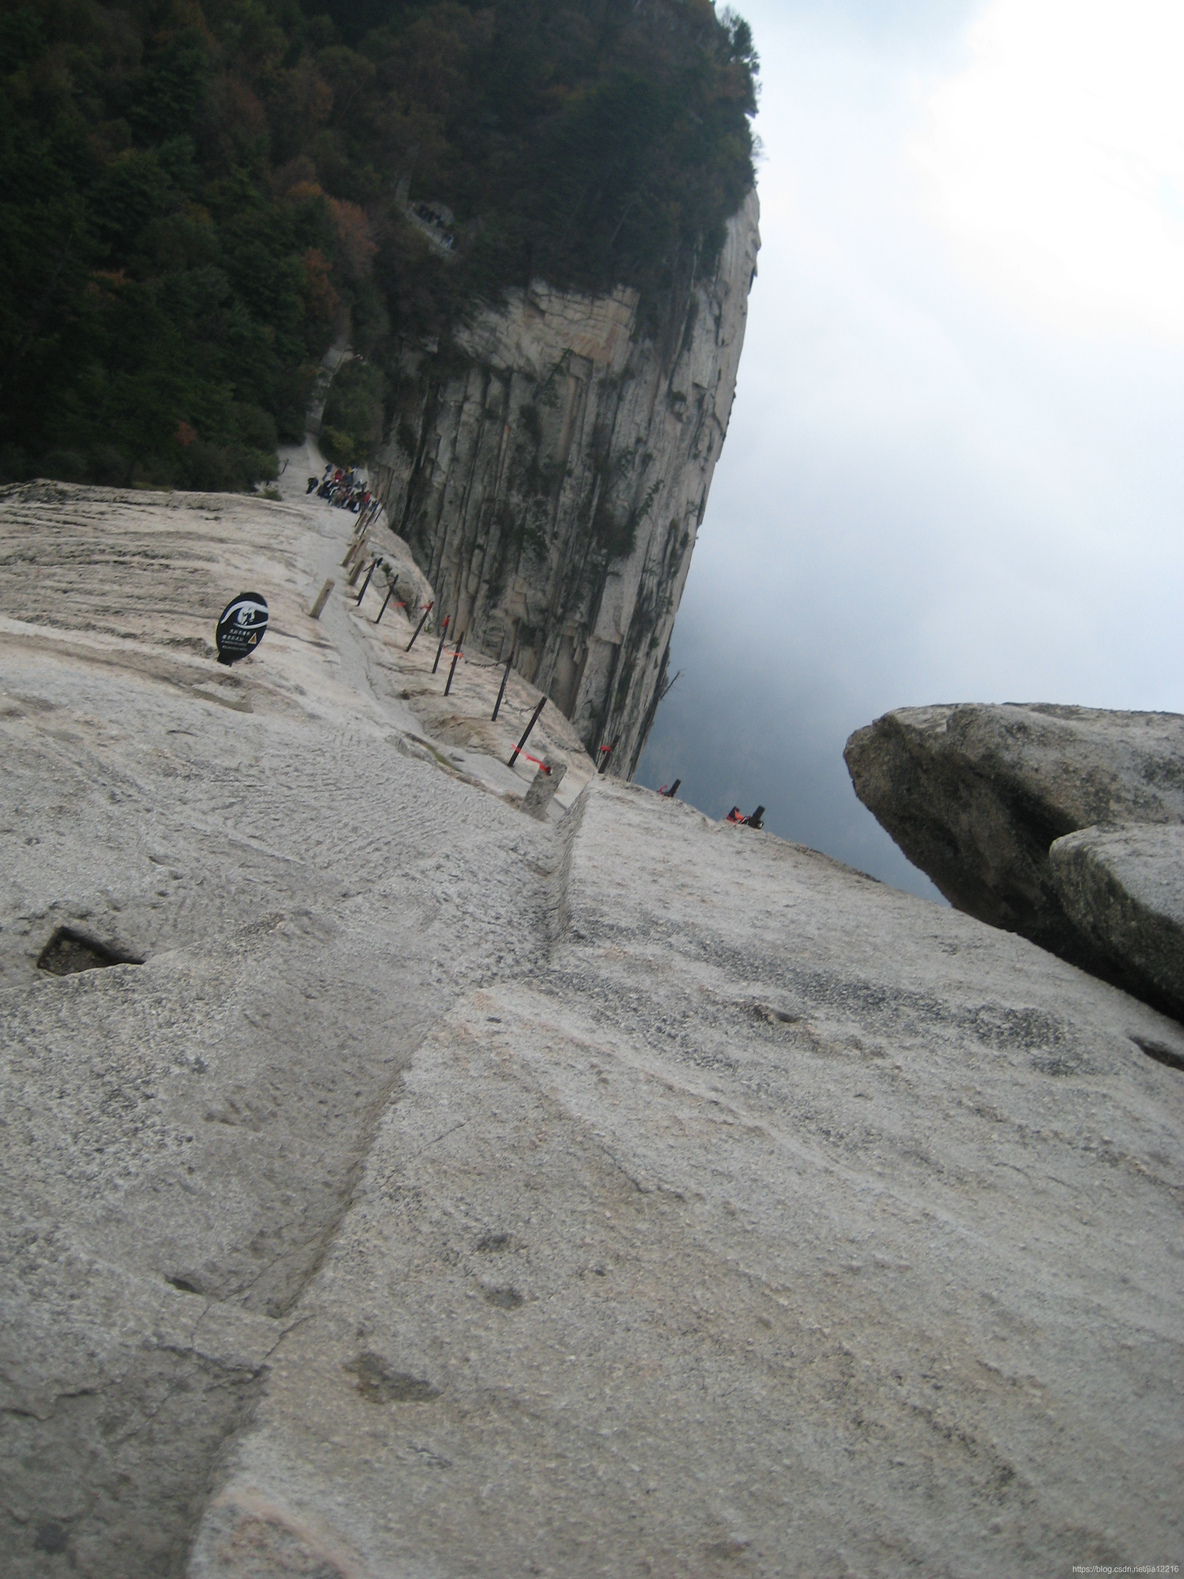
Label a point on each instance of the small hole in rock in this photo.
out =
(183, 1285)
(51, 1537)
(504, 1298)
(379, 1383)
(492, 1242)
(772, 1016)
(1161, 1054)
(69, 951)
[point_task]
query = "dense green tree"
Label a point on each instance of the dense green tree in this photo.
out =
(353, 421)
(197, 196)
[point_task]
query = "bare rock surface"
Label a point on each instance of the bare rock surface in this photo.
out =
(449, 1192)
(280, 847)
(783, 1225)
(413, 590)
(1124, 888)
(975, 795)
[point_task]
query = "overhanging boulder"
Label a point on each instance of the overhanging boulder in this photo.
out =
(975, 795)
(1123, 887)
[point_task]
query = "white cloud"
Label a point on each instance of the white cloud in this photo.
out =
(1057, 158)
(942, 482)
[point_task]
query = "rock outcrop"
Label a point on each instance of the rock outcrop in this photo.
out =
(975, 795)
(412, 586)
(1123, 888)
(451, 1192)
(553, 484)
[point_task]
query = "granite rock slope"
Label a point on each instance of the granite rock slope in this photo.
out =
(782, 1225)
(975, 795)
(1123, 887)
(451, 1192)
(181, 1137)
(552, 488)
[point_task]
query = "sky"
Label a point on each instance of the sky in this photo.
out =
(955, 466)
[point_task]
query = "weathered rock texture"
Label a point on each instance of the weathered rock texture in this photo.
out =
(412, 588)
(181, 1137)
(453, 1193)
(1123, 887)
(553, 486)
(781, 1225)
(975, 795)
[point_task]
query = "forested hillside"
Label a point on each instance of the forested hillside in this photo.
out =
(197, 197)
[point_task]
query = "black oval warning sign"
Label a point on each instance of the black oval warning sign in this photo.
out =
(241, 628)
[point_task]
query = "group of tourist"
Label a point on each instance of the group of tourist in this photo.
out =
(346, 489)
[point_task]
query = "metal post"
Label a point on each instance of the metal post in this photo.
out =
(606, 752)
(534, 718)
(455, 661)
(366, 583)
(667, 686)
(443, 638)
(389, 595)
(673, 790)
(420, 626)
(502, 689)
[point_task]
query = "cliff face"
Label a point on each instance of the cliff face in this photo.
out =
(552, 490)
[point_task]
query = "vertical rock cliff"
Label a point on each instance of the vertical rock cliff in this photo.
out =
(552, 479)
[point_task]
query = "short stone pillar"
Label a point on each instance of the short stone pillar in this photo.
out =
(322, 598)
(542, 788)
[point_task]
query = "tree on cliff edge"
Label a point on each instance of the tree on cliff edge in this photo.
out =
(198, 196)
